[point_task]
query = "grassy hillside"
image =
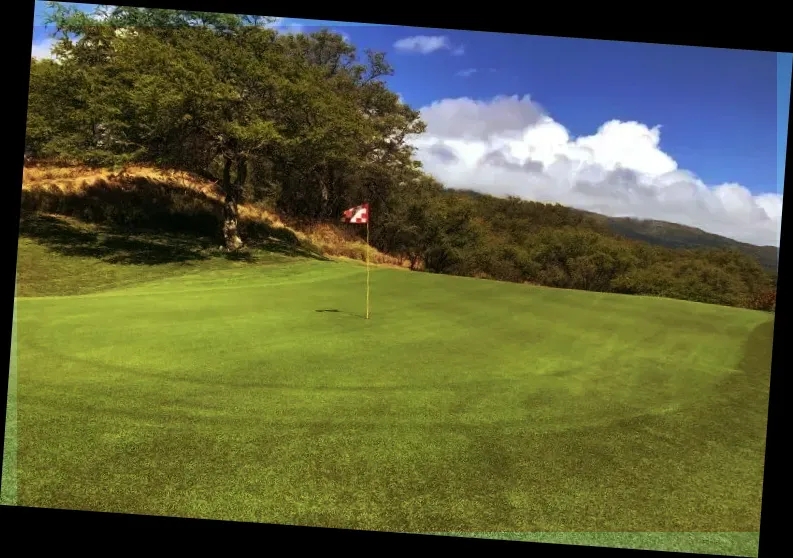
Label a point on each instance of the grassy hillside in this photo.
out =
(258, 392)
(154, 216)
(534, 243)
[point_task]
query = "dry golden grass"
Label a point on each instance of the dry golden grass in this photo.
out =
(333, 241)
(82, 177)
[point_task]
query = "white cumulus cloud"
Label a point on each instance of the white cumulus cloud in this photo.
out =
(510, 146)
(468, 72)
(425, 44)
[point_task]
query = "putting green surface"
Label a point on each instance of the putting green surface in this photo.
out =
(260, 393)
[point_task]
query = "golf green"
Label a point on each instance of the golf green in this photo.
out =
(260, 393)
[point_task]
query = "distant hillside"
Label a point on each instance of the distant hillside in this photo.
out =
(673, 235)
(670, 235)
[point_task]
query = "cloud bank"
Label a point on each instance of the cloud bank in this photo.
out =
(424, 44)
(510, 146)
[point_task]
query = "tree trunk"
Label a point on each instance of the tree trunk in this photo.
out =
(230, 208)
(325, 196)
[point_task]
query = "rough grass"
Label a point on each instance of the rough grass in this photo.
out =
(258, 392)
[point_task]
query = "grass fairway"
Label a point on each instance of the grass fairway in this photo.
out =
(259, 393)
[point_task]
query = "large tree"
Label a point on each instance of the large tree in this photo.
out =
(223, 95)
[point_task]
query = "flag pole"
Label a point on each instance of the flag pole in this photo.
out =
(367, 266)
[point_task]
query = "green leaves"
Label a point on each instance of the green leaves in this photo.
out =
(187, 88)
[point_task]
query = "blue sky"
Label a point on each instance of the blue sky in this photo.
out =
(717, 108)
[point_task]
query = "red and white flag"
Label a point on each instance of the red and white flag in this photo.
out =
(359, 214)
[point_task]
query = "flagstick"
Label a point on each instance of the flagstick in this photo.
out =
(367, 267)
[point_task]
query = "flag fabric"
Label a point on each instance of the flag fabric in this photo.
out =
(358, 214)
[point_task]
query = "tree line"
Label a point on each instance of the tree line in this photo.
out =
(306, 123)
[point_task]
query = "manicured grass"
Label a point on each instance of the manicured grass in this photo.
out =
(62, 256)
(723, 544)
(259, 393)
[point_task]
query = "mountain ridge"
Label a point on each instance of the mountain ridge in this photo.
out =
(675, 235)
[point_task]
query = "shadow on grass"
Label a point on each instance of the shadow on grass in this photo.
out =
(343, 312)
(142, 221)
(758, 349)
(105, 244)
